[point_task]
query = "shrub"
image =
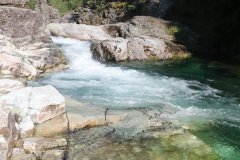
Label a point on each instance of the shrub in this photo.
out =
(31, 4)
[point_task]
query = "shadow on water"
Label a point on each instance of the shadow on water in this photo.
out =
(223, 136)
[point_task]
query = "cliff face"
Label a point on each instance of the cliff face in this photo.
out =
(216, 22)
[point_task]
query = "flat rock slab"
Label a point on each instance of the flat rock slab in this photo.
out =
(81, 115)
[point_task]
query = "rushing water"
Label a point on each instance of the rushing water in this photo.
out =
(205, 94)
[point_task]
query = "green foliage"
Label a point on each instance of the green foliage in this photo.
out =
(31, 4)
(131, 7)
(173, 30)
(65, 6)
(100, 5)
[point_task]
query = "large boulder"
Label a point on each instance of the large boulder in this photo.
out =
(34, 105)
(81, 115)
(45, 103)
(136, 48)
(26, 46)
(142, 38)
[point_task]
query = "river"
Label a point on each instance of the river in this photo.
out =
(204, 95)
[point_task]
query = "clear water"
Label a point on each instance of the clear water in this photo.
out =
(207, 95)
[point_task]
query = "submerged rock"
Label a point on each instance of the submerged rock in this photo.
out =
(82, 115)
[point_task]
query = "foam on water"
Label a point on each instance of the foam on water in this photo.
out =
(116, 87)
(107, 86)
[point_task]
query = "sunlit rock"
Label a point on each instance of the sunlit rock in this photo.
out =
(45, 103)
(7, 85)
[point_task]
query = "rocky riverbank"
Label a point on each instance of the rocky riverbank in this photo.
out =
(40, 123)
(36, 123)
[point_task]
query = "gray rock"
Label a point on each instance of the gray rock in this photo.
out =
(82, 115)
(134, 123)
(34, 105)
(26, 46)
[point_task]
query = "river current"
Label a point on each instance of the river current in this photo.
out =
(204, 95)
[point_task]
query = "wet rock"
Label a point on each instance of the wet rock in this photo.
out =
(111, 50)
(53, 155)
(56, 126)
(85, 141)
(82, 115)
(38, 145)
(7, 85)
(135, 122)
